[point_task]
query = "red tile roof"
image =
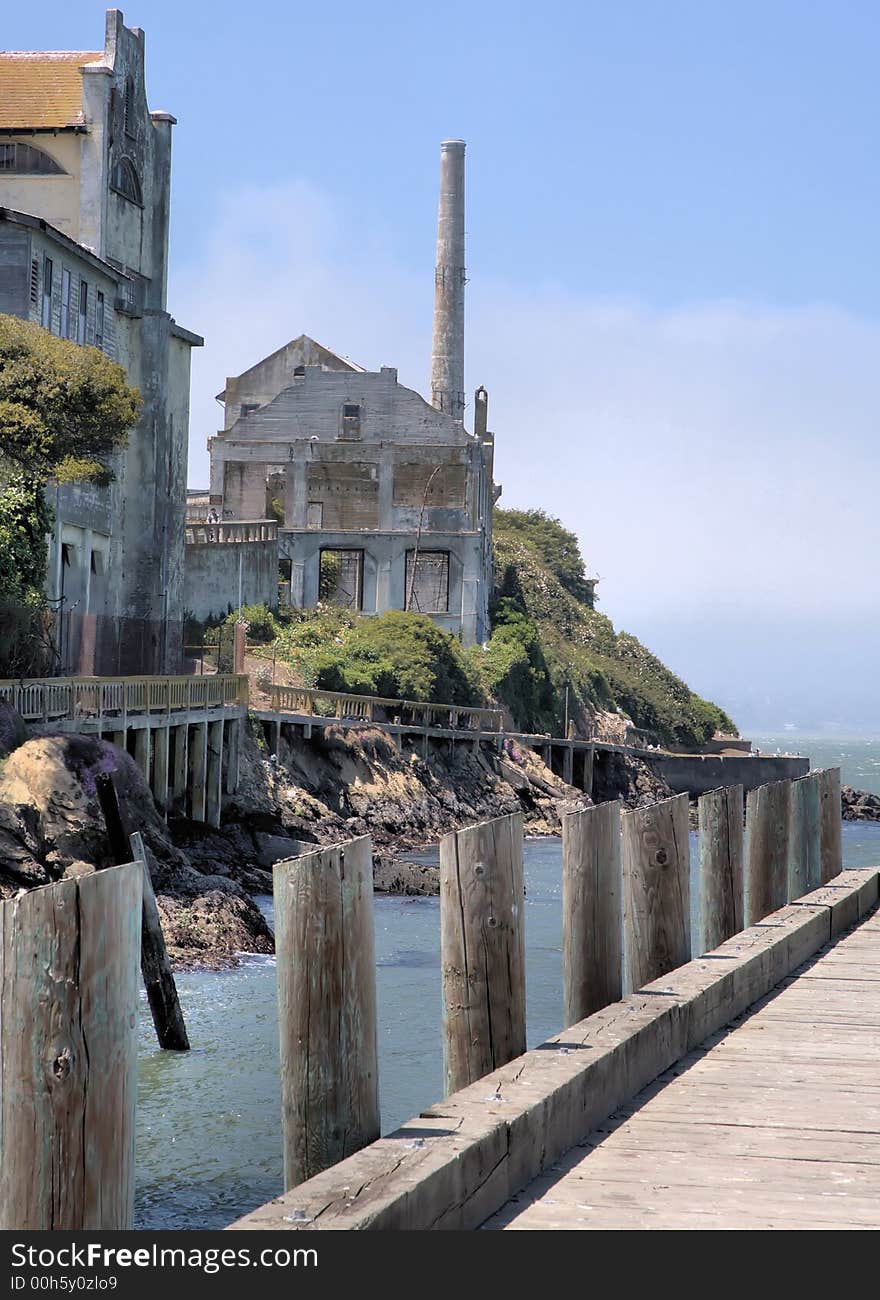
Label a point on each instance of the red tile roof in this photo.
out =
(42, 89)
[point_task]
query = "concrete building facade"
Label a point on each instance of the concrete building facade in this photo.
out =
(85, 171)
(384, 500)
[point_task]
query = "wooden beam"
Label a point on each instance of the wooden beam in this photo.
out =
(830, 814)
(326, 971)
(656, 890)
(482, 948)
(591, 911)
(803, 837)
(721, 866)
(766, 853)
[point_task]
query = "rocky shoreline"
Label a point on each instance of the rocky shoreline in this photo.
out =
(338, 786)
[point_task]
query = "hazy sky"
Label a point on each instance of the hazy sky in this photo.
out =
(674, 282)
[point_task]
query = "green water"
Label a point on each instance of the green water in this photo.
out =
(209, 1144)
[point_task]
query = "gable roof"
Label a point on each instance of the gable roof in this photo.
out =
(303, 342)
(42, 90)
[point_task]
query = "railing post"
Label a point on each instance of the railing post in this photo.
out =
(830, 847)
(591, 911)
(804, 873)
(482, 949)
(721, 867)
(69, 958)
(656, 890)
(326, 972)
(766, 853)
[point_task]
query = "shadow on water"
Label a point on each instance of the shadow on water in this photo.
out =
(209, 1137)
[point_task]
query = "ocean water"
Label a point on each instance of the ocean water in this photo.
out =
(857, 758)
(208, 1128)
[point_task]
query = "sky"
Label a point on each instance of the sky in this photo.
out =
(673, 297)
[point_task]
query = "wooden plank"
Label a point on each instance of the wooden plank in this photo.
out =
(156, 969)
(324, 943)
(482, 949)
(766, 850)
(830, 824)
(721, 866)
(68, 1052)
(803, 837)
(592, 956)
(656, 890)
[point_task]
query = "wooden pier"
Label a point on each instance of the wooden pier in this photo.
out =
(183, 732)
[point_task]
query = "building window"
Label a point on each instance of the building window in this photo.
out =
(351, 421)
(299, 372)
(25, 160)
(128, 111)
(64, 328)
(83, 312)
(342, 579)
(125, 181)
(427, 582)
(247, 407)
(46, 314)
(315, 514)
(99, 320)
(35, 280)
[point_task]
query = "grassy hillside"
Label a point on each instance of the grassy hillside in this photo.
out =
(545, 637)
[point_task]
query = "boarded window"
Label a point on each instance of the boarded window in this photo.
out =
(447, 491)
(125, 181)
(315, 515)
(341, 581)
(351, 422)
(35, 280)
(348, 491)
(427, 582)
(128, 112)
(83, 312)
(46, 314)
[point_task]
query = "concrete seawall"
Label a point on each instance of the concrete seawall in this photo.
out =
(694, 774)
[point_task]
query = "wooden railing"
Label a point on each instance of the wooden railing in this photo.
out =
(374, 708)
(231, 530)
(55, 699)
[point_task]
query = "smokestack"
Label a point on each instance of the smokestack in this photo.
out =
(447, 351)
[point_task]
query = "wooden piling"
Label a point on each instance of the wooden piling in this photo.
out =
(68, 1053)
(721, 867)
(156, 968)
(324, 945)
(766, 852)
(804, 837)
(656, 890)
(830, 841)
(482, 949)
(591, 911)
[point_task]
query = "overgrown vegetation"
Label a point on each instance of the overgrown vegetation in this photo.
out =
(547, 641)
(64, 411)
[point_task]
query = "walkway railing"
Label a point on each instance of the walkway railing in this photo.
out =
(238, 530)
(56, 699)
(374, 708)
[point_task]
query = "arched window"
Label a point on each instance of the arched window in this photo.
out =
(128, 116)
(27, 161)
(125, 181)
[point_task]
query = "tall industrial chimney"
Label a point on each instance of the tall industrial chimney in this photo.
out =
(447, 351)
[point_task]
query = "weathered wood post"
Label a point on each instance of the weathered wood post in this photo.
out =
(482, 949)
(156, 968)
(591, 911)
(326, 970)
(766, 859)
(656, 890)
(721, 866)
(803, 837)
(830, 841)
(68, 1052)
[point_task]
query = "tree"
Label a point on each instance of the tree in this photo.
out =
(64, 411)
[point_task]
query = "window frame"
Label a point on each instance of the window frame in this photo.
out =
(46, 306)
(99, 319)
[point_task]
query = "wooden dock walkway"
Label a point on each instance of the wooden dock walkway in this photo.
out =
(772, 1123)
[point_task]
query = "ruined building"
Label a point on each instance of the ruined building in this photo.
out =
(85, 171)
(384, 500)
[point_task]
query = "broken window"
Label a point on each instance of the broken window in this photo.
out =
(298, 371)
(24, 159)
(315, 515)
(126, 182)
(247, 407)
(351, 421)
(427, 582)
(341, 579)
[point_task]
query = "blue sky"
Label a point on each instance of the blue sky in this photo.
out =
(674, 284)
